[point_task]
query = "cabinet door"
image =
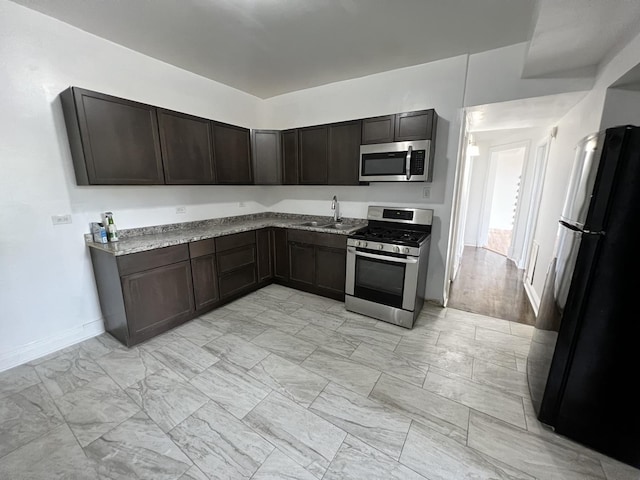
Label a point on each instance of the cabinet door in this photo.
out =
(113, 141)
(314, 153)
(157, 299)
(290, 157)
(187, 153)
(344, 153)
(280, 254)
(231, 146)
(302, 266)
(378, 129)
(331, 268)
(267, 158)
(414, 125)
(205, 281)
(265, 267)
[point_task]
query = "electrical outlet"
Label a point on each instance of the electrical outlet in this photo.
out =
(181, 210)
(242, 204)
(61, 219)
(426, 192)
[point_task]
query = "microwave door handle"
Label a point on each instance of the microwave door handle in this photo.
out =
(408, 162)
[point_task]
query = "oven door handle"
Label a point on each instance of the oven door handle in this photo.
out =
(408, 162)
(382, 257)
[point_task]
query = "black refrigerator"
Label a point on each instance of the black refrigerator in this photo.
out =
(583, 366)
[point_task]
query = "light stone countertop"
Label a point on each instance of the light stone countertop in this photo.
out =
(149, 238)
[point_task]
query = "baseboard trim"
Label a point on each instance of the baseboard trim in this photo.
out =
(533, 297)
(40, 348)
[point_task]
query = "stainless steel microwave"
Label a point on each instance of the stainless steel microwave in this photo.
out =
(396, 162)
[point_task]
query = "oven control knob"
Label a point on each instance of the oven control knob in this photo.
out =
(364, 244)
(380, 247)
(396, 249)
(406, 249)
(357, 243)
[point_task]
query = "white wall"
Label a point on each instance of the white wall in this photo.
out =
(509, 166)
(621, 107)
(496, 76)
(47, 289)
(585, 118)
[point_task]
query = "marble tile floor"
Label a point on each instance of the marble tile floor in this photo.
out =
(286, 385)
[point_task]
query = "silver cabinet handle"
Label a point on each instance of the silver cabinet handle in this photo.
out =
(408, 162)
(352, 250)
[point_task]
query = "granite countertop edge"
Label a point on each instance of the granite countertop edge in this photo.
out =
(151, 238)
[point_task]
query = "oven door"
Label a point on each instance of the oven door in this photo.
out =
(380, 278)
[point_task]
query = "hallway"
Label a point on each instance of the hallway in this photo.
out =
(489, 284)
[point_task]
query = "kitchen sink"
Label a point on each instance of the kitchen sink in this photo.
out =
(337, 226)
(309, 224)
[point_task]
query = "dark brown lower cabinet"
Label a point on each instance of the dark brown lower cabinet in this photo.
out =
(147, 293)
(317, 262)
(280, 254)
(265, 261)
(237, 264)
(157, 298)
(331, 269)
(302, 263)
(205, 282)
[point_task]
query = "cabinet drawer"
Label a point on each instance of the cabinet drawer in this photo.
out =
(234, 241)
(237, 258)
(237, 281)
(302, 236)
(334, 240)
(138, 262)
(202, 248)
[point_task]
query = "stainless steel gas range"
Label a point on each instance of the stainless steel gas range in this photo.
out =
(387, 264)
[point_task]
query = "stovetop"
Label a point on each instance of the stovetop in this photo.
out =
(395, 236)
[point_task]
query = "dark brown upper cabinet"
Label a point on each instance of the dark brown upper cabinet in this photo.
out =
(267, 157)
(290, 157)
(378, 129)
(313, 155)
(113, 141)
(232, 151)
(344, 153)
(414, 126)
(187, 151)
(400, 127)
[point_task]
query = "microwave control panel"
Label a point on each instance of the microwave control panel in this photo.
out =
(417, 162)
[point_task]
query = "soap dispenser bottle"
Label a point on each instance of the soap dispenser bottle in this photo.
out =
(112, 231)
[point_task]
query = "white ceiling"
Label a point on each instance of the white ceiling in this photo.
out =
(534, 112)
(270, 47)
(573, 35)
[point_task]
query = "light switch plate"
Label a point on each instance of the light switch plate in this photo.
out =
(426, 192)
(61, 219)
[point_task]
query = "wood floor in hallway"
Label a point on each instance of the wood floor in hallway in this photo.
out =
(490, 284)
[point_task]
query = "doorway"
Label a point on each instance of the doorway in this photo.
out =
(502, 195)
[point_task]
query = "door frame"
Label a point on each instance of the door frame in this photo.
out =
(537, 188)
(456, 230)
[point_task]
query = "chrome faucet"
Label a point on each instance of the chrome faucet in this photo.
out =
(336, 209)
